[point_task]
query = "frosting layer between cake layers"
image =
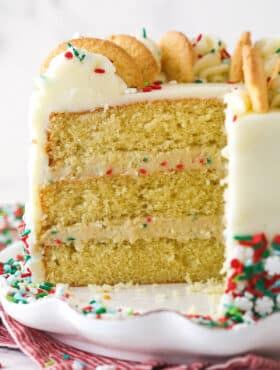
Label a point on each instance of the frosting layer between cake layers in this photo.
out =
(148, 216)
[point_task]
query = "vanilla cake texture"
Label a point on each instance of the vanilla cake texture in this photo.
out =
(139, 178)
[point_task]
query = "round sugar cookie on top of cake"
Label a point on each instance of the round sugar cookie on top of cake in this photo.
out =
(177, 57)
(144, 58)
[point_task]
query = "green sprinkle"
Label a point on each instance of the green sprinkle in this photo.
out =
(130, 312)
(70, 238)
(145, 159)
(208, 160)
(82, 57)
(69, 45)
(145, 226)
(27, 257)
(213, 50)
(219, 43)
(198, 81)
(242, 237)
(65, 356)
(146, 83)
(277, 51)
(75, 52)
(11, 299)
(46, 286)
(49, 363)
(266, 253)
(100, 310)
(41, 295)
(53, 232)
(6, 232)
(144, 33)
(26, 232)
(11, 261)
(47, 283)
(92, 301)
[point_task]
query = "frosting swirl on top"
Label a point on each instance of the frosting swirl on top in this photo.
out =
(270, 52)
(77, 80)
(211, 59)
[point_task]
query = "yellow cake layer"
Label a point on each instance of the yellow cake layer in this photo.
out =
(154, 126)
(143, 262)
(180, 193)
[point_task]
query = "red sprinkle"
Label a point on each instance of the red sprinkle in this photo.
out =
(68, 55)
(87, 308)
(143, 171)
(199, 56)
(156, 87)
(276, 239)
(224, 54)
(18, 212)
(268, 79)
(231, 82)
(19, 257)
(27, 274)
(149, 219)
(163, 164)
(199, 37)
(234, 118)
(99, 70)
(109, 172)
(157, 83)
(147, 89)
(57, 241)
(180, 166)
(201, 160)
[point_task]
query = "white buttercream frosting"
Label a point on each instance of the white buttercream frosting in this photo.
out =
(211, 59)
(238, 101)
(270, 51)
(253, 202)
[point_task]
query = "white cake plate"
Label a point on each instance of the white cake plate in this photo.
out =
(162, 333)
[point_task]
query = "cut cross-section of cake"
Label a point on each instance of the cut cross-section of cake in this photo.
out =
(135, 181)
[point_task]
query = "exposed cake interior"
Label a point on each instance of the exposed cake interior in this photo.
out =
(143, 182)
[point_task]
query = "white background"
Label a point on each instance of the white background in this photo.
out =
(30, 28)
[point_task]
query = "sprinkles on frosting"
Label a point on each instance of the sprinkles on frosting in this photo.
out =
(75, 52)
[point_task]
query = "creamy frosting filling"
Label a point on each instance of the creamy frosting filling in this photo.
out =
(130, 163)
(181, 229)
(211, 59)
